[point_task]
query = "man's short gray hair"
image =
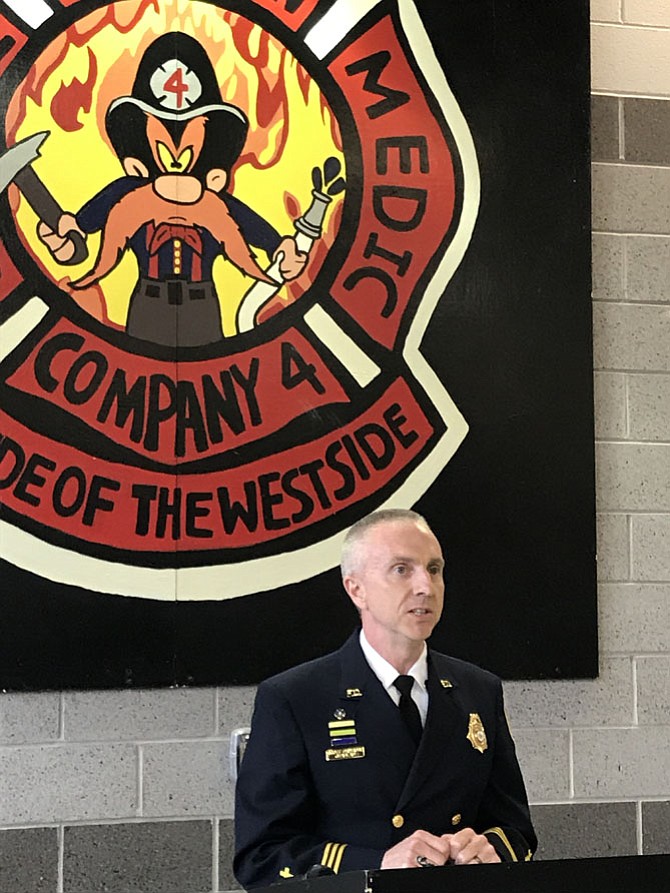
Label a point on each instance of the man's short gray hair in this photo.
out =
(352, 541)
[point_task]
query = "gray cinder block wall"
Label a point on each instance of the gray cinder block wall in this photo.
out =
(128, 791)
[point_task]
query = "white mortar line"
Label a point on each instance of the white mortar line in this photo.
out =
(631, 303)
(624, 94)
(571, 766)
(586, 801)
(631, 166)
(634, 512)
(637, 653)
(624, 267)
(622, 131)
(215, 852)
(216, 712)
(628, 25)
(60, 870)
(636, 720)
(147, 820)
(663, 443)
(628, 727)
(140, 780)
(113, 742)
(638, 827)
(626, 407)
(628, 235)
(61, 717)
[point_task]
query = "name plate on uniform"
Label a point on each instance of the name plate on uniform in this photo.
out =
(345, 753)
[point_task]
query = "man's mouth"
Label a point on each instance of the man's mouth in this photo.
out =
(418, 612)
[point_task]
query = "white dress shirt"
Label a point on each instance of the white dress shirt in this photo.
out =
(387, 675)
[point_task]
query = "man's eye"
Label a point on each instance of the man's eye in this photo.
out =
(400, 569)
(435, 570)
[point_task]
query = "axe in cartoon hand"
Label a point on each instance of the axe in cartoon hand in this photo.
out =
(16, 167)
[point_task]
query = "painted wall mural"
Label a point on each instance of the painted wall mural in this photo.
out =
(267, 266)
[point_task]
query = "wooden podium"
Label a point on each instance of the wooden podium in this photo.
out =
(617, 874)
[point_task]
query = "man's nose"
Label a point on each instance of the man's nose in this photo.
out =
(423, 581)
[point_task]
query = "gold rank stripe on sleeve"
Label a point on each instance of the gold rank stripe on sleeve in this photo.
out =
(332, 855)
(501, 834)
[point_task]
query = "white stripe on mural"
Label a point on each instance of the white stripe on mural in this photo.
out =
(33, 12)
(342, 16)
(20, 325)
(358, 363)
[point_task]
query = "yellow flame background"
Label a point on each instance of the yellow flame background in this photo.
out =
(254, 72)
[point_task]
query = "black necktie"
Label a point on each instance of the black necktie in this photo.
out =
(408, 709)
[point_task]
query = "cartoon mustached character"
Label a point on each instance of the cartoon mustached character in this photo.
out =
(177, 141)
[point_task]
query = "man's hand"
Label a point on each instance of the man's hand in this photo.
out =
(59, 244)
(463, 848)
(292, 262)
(436, 850)
(469, 848)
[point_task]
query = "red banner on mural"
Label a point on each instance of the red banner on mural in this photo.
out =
(175, 413)
(114, 505)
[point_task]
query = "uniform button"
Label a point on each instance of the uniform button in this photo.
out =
(456, 819)
(397, 821)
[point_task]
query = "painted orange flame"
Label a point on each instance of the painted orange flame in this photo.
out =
(75, 97)
(79, 74)
(121, 16)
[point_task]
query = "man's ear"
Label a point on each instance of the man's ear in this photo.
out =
(135, 168)
(354, 590)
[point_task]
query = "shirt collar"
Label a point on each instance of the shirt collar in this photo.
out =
(386, 673)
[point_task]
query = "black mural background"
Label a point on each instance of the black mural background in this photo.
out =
(510, 339)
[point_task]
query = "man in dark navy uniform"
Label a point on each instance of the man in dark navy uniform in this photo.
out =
(385, 753)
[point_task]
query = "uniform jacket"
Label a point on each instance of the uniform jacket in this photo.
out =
(311, 792)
